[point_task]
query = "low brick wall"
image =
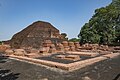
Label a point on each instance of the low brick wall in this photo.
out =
(43, 62)
(70, 66)
(92, 54)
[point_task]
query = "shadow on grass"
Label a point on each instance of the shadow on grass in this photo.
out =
(3, 58)
(8, 75)
(117, 77)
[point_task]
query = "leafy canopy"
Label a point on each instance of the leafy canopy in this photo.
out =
(104, 26)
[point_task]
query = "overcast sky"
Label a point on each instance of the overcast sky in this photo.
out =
(66, 15)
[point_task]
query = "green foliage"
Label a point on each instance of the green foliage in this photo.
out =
(64, 36)
(74, 40)
(0, 42)
(104, 26)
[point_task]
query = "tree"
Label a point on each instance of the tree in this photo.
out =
(1, 42)
(64, 36)
(104, 26)
(74, 40)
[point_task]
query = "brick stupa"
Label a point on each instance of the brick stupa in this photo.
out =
(34, 35)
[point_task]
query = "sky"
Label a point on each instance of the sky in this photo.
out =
(66, 15)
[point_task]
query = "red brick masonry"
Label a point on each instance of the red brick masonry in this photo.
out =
(70, 66)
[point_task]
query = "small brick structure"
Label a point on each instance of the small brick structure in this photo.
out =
(19, 52)
(65, 43)
(60, 56)
(103, 47)
(33, 50)
(90, 54)
(68, 57)
(47, 43)
(66, 46)
(72, 57)
(4, 47)
(9, 51)
(60, 47)
(72, 46)
(77, 45)
(42, 50)
(52, 48)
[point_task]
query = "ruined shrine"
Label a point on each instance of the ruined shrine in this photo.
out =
(34, 35)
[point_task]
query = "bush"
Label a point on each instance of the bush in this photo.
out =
(0, 42)
(74, 40)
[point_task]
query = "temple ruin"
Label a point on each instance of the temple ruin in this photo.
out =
(34, 35)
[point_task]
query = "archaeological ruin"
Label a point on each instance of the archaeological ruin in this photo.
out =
(42, 43)
(34, 35)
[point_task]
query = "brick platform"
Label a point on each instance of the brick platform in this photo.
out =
(70, 66)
